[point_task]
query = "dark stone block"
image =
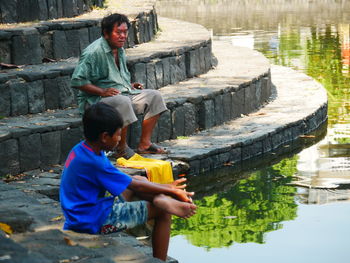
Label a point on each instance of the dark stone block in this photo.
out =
(18, 220)
(219, 110)
(236, 154)
(224, 158)
(83, 39)
(237, 103)
(180, 68)
(166, 71)
(60, 45)
(30, 75)
(138, 73)
(69, 138)
(80, 6)
(19, 98)
(51, 148)
(194, 167)
(36, 100)
(178, 122)
(251, 150)
(43, 10)
(227, 106)
(52, 98)
(173, 77)
(73, 43)
(206, 114)
(206, 165)
(5, 100)
(26, 49)
(9, 161)
(29, 152)
(207, 58)
(151, 76)
(66, 94)
(135, 132)
(94, 33)
(266, 144)
(201, 60)
(250, 101)
(131, 36)
(159, 73)
(59, 8)
(277, 140)
(47, 45)
(5, 51)
(8, 11)
(190, 122)
(52, 9)
(258, 92)
(192, 63)
(69, 8)
(27, 10)
(164, 126)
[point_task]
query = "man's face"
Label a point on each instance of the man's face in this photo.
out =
(118, 36)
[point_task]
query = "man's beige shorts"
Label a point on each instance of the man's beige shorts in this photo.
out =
(148, 102)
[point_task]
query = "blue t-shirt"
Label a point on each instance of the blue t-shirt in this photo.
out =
(85, 179)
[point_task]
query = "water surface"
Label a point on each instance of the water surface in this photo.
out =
(298, 209)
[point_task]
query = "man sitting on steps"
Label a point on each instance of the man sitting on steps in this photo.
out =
(102, 75)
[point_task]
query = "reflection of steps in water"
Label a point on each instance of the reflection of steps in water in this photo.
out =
(320, 167)
(322, 196)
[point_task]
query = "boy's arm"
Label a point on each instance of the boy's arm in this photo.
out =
(146, 187)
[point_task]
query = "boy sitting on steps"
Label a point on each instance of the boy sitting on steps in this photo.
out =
(88, 174)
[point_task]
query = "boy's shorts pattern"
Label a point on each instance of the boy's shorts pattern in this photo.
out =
(125, 215)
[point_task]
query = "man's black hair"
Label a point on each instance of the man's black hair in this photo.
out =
(100, 118)
(108, 22)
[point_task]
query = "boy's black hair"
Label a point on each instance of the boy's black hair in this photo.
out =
(108, 22)
(99, 118)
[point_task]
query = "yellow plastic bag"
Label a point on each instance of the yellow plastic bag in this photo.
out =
(158, 171)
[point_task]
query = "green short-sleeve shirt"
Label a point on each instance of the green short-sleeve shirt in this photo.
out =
(97, 66)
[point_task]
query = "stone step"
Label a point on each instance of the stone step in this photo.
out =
(31, 43)
(17, 11)
(30, 207)
(299, 108)
(239, 85)
(174, 56)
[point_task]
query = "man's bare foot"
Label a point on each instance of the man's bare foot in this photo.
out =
(174, 207)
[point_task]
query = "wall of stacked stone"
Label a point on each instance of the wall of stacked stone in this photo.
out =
(16, 11)
(30, 146)
(261, 144)
(64, 39)
(200, 112)
(38, 88)
(36, 146)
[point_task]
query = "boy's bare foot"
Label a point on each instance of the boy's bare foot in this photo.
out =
(174, 207)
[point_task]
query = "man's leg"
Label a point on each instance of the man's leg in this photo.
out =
(147, 129)
(151, 104)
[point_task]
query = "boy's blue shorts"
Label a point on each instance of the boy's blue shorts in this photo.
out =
(125, 215)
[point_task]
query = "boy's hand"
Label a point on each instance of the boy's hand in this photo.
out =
(178, 183)
(184, 196)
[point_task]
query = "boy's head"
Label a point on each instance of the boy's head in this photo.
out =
(102, 122)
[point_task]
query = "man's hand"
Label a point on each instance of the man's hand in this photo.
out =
(179, 183)
(137, 85)
(109, 92)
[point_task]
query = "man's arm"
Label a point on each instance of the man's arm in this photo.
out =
(92, 89)
(142, 186)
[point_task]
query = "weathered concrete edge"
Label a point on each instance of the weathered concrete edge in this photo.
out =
(257, 144)
(64, 39)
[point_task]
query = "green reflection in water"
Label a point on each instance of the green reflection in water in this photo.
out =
(322, 53)
(245, 212)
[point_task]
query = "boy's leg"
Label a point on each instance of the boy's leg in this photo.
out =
(161, 210)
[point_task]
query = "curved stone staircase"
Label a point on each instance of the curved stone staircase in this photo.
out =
(223, 108)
